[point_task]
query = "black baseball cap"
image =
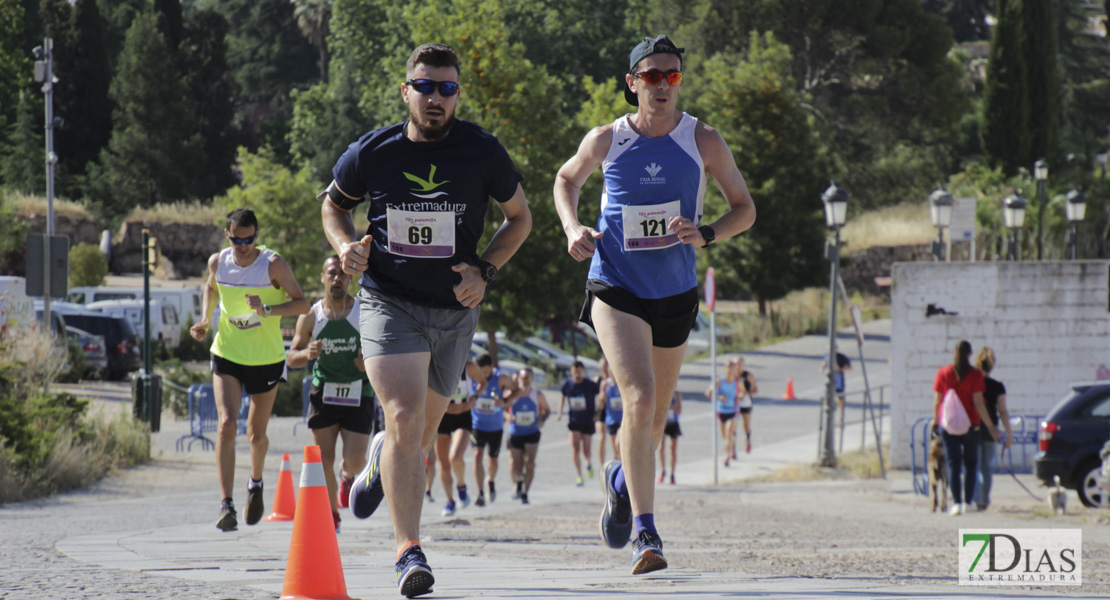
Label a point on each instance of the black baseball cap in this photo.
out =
(659, 44)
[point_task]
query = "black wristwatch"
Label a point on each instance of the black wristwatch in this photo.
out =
(489, 272)
(708, 233)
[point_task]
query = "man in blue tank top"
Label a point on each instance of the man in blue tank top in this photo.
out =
(641, 295)
(488, 423)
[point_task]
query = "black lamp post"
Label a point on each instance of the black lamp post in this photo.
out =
(835, 200)
(1075, 207)
(1040, 173)
(940, 211)
(1013, 215)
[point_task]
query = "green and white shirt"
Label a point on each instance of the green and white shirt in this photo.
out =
(341, 342)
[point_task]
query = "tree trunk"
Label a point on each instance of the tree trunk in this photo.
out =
(762, 305)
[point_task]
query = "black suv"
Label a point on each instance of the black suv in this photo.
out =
(1071, 436)
(124, 350)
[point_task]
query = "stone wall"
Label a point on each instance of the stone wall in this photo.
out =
(1047, 323)
(859, 269)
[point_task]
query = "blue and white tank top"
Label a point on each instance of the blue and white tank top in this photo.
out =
(614, 408)
(526, 417)
(727, 389)
(672, 416)
(486, 416)
(648, 180)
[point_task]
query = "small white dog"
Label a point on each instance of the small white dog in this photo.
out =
(1058, 497)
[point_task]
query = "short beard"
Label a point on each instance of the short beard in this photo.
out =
(337, 293)
(432, 134)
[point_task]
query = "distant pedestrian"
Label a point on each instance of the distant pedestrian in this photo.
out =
(843, 364)
(744, 403)
(671, 431)
(611, 405)
(580, 398)
(599, 415)
(995, 399)
(962, 450)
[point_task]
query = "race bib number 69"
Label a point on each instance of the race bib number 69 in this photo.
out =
(421, 234)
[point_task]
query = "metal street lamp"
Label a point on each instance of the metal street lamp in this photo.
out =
(1075, 207)
(835, 200)
(1040, 173)
(940, 211)
(1013, 216)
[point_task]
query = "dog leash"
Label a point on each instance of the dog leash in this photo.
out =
(1014, 475)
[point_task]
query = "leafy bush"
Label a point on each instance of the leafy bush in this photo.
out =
(174, 370)
(289, 397)
(87, 266)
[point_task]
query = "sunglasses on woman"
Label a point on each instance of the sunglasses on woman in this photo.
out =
(654, 77)
(427, 86)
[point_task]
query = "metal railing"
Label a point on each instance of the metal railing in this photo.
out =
(1020, 458)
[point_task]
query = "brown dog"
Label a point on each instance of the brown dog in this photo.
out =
(938, 473)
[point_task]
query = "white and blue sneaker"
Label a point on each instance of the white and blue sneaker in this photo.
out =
(367, 492)
(464, 498)
(647, 554)
(616, 516)
(414, 576)
(449, 509)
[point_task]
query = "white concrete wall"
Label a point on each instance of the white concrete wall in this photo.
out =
(1048, 322)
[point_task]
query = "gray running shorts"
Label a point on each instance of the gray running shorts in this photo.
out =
(391, 326)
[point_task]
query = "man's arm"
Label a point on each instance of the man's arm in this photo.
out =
(282, 277)
(721, 165)
(505, 242)
(339, 227)
(303, 349)
(568, 185)
(209, 300)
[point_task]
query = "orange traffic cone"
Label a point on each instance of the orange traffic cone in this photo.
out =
(789, 393)
(314, 570)
(284, 498)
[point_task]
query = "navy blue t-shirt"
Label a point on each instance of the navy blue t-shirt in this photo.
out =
(457, 175)
(581, 397)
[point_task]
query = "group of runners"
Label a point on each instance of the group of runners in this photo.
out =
(405, 338)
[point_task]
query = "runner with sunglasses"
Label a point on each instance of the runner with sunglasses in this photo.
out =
(641, 292)
(254, 288)
(429, 181)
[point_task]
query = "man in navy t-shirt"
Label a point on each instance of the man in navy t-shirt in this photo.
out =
(579, 396)
(428, 181)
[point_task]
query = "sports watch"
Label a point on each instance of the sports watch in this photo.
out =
(488, 271)
(708, 233)
(266, 308)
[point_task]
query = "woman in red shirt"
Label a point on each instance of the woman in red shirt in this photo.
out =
(962, 450)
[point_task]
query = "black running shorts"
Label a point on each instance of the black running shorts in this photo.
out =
(517, 442)
(359, 419)
(452, 423)
(491, 440)
(670, 318)
(254, 379)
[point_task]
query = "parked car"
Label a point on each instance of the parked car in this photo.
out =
(1070, 438)
(124, 350)
(94, 348)
(165, 326)
(186, 300)
(563, 360)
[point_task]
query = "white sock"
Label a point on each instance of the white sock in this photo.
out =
(251, 483)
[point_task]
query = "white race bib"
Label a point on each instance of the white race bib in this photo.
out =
(615, 403)
(421, 234)
(526, 419)
(645, 226)
(670, 415)
(577, 402)
(343, 394)
(485, 406)
(246, 321)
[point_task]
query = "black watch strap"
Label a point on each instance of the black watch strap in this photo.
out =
(488, 271)
(708, 233)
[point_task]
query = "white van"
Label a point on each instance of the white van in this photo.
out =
(165, 326)
(187, 300)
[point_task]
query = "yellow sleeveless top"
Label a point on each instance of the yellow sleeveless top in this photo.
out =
(244, 337)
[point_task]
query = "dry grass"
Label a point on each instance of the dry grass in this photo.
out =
(852, 465)
(190, 213)
(905, 224)
(27, 205)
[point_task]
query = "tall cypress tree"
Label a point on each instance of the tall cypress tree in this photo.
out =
(154, 152)
(1005, 102)
(82, 91)
(203, 54)
(22, 158)
(1042, 81)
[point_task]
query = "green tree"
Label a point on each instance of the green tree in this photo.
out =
(967, 18)
(171, 21)
(153, 154)
(21, 161)
(15, 67)
(755, 104)
(1085, 82)
(1041, 55)
(81, 96)
(87, 265)
(288, 213)
(203, 56)
(313, 19)
(326, 119)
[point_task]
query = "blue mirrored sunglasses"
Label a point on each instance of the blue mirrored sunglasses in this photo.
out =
(238, 241)
(426, 86)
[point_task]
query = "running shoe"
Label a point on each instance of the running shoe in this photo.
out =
(335, 517)
(672, 478)
(749, 446)
(414, 576)
(345, 491)
(726, 461)
(255, 507)
(647, 554)
(464, 498)
(492, 493)
(589, 471)
(227, 521)
(367, 492)
(428, 495)
(449, 509)
(480, 500)
(616, 516)
(578, 482)
(524, 498)
(662, 476)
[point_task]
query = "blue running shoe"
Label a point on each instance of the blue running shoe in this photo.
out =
(367, 492)
(616, 516)
(464, 498)
(449, 509)
(414, 576)
(647, 554)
